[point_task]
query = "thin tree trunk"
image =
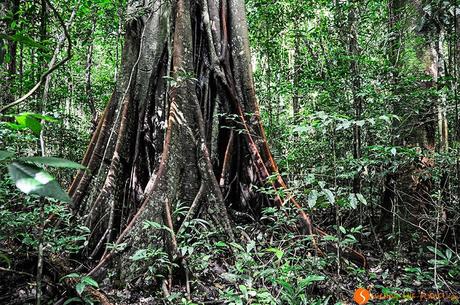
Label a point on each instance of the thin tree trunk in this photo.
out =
(88, 86)
(395, 26)
(353, 50)
(296, 78)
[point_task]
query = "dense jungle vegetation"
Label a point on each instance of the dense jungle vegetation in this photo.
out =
(229, 152)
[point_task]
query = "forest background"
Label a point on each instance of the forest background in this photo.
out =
(359, 103)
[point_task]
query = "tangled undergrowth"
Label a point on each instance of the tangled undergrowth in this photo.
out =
(269, 264)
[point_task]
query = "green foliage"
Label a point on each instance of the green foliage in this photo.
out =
(29, 178)
(313, 61)
(83, 281)
(33, 180)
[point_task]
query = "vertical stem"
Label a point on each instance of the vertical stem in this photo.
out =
(457, 120)
(353, 51)
(88, 85)
(435, 269)
(117, 52)
(337, 207)
(39, 276)
(41, 231)
(296, 80)
(40, 251)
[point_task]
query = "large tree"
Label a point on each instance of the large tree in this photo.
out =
(182, 126)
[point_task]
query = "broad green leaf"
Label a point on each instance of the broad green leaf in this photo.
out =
(80, 287)
(40, 116)
(351, 237)
(330, 196)
(14, 126)
(286, 285)
(244, 291)
(361, 198)
(152, 224)
(314, 278)
(5, 154)
(436, 251)
(29, 122)
(237, 246)
(385, 118)
(449, 254)
(278, 252)
(250, 246)
(312, 198)
(139, 254)
(330, 238)
(53, 162)
(220, 244)
(89, 281)
(148, 224)
(34, 180)
(353, 201)
(342, 229)
(321, 184)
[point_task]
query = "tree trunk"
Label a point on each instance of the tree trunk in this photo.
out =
(185, 73)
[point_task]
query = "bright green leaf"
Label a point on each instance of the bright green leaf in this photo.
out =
(278, 252)
(70, 276)
(80, 287)
(89, 281)
(34, 180)
(29, 122)
(53, 162)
